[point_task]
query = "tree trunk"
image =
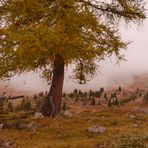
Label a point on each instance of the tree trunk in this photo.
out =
(52, 104)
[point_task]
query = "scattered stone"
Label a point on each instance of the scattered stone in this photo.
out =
(97, 129)
(132, 117)
(141, 117)
(4, 143)
(134, 126)
(1, 126)
(138, 117)
(102, 145)
(38, 115)
(135, 109)
(144, 110)
(23, 126)
(33, 126)
(8, 125)
(67, 114)
(30, 126)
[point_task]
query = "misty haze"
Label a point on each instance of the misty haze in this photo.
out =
(73, 74)
(109, 72)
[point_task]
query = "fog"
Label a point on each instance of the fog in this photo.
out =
(109, 73)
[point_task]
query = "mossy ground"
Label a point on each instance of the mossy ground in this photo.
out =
(63, 132)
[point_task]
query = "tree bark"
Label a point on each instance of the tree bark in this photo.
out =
(51, 107)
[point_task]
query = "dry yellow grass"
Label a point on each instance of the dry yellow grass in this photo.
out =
(63, 132)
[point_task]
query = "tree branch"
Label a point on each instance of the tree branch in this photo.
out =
(131, 12)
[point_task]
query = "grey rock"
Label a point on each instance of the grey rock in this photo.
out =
(132, 116)
(1, 126)
(137, 117)
(67, 114)
(97, 129)
(4, 143)
(134, 126)
(102, 145)
(30, 126)
(38, 115)
(23, 126)
(33, 126)
(144, 110)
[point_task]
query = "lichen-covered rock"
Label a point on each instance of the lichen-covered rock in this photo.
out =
(29, 126)
(38, 115)
(1, 126)
(134, 126)
(33, 126)
(97, 129)
(23, 126)
(67, 114)
(144, 110)
(4, 143)
(132, 116)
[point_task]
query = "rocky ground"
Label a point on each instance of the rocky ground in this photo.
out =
(111, 128)
(82, 123)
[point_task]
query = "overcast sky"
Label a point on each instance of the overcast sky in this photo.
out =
(137, 63)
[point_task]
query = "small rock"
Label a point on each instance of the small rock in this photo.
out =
(33, 126)
(102, 145)
(136, 108)
(134, 125)
(97, 129)
(23, 126)
(38, 115)
(30, 126)
(144, 110)
(4, 143)
(132, 116)
(1, 126)
(67, 114)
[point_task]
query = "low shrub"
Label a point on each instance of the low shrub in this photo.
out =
(133, 140)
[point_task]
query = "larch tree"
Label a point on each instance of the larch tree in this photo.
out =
(48, 35)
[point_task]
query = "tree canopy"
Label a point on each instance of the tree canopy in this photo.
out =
(34, 32)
